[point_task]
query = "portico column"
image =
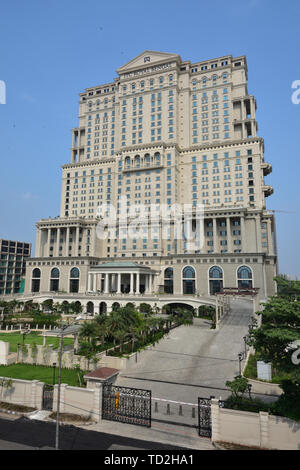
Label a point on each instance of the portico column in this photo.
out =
(119, 284)
(89, 282)
(106, 284)
(147, 284)
(131, 283)
(137, 290)
(150, 283)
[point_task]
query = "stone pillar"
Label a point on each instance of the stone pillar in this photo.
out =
(100, 282)
(137, 290)
(97, 405)
(150, 283)
(89, 282)
(215, 420)
(264, 429)
(106, 283)
(131, 283)
(146, 283)
(119, 284)
(33, 393)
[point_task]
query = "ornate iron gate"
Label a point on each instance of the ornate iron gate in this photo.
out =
(48, 397)
(204, 417)
(126, 405)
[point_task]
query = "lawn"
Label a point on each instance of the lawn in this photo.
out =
(251, 371)
(41, 373)
(34, 337)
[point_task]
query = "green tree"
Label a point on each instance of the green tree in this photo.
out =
(280, 328)
(238, 386)
(88, 331)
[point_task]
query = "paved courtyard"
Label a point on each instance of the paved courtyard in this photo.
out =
(193, 360)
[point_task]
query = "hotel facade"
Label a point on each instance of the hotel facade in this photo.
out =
(164, 133)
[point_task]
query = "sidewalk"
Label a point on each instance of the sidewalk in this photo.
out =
(179, 436)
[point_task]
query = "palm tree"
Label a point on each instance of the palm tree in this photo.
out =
(88, 331)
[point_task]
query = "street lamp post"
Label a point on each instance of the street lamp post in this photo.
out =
(54, 367)
(62, 333)
(58, 391)
(240, 356)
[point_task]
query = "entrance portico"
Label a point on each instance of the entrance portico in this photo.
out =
(121, 278)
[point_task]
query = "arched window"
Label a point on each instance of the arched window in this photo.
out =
(127, 162)
(36, 280)
(244, 277)
(74, 280)
(137, 161)
(157, 158)
(147, 159)
(54, 280)
(188, 280)
(168, 281)
(215, 280)
(90, 308)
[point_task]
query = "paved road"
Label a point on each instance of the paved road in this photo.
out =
(193, 360)
(24, 434)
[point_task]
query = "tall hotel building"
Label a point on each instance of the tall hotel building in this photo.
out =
(164, 131)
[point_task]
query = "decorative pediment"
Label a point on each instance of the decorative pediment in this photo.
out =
(148, 58)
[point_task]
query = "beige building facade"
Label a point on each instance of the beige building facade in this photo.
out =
(165, 133)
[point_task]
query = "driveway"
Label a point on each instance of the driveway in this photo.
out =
(193, 360)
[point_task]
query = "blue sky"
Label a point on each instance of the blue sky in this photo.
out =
(51, 51)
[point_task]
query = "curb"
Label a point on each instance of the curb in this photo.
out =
(18, 413)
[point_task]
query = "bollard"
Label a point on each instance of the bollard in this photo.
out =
(193, 413)
(156, 407)
(180, 410)
(168, 409)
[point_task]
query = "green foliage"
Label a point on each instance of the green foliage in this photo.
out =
(280, 327)
(238, 386)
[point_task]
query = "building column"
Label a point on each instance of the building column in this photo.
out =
(38, 243)
(119, 284)
(258, 234)
(57, 242)
(48, 242)
(106, 283)
(137, 290)
(131, 283)
(229, 237)
(270, 239)
(67, 241)
(89, 282)
(215, 236)
(146, 283)
(77, 241)
(244, 245)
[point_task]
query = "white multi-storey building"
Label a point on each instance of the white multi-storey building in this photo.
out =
(169, 133)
